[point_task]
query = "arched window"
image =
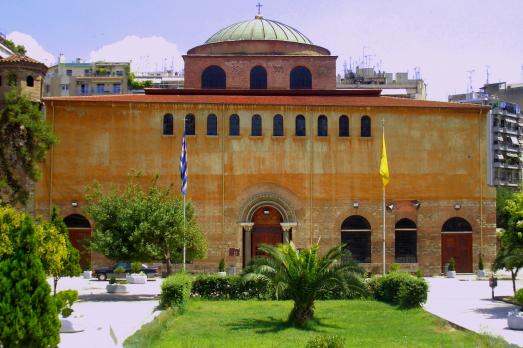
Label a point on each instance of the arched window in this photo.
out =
(234, 125)
(405, 243)
(76, 221)
(168, 128)
(365, 126)
(212, 125)
(300, 126)
(344, 126)
(323, 126)
(30, 81)
(356, 235)
(190, 125)
(258, 78)
(456, 224)
(11, 79)
(301, 78)
(214, 77)
(256, 126)
(277, 126)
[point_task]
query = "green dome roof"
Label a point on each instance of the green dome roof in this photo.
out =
(259, 28)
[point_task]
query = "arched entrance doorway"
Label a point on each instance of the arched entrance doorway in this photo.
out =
(266, 229)
(79, 229)
(456, 242)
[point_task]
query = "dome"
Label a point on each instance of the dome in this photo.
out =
(259, 28)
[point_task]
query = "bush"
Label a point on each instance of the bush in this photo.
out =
(136, 267)
(394, 267)
(452, 265)
(221, 266)
(27, 310)
(64, 302)
(399, 288)
(413, 293)
(119, 270)
(518, 297)
(481, 267)
(176, 290)
(419, 273)
(230, 287)
(326, 342)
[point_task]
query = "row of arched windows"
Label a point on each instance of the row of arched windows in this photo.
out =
(277, 125)
(214, 77)
(12, 80)
(356, 235)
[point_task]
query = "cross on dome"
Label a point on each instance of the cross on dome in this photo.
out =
(259, 6)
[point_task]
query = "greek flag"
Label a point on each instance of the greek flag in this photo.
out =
(183, 166)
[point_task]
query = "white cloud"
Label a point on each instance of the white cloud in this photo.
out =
(34, 49)
(146, 54)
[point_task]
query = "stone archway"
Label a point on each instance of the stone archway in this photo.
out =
(251, 217)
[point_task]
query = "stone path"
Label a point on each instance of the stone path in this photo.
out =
(467, 302)
(108, 319)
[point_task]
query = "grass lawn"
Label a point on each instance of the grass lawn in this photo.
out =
(262, 324)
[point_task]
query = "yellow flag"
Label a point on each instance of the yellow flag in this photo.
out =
(384, 164)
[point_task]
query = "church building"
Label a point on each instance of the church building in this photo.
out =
(277, 154)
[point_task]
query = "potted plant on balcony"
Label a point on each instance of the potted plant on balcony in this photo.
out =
(451, 268)
(481, 268)
(136, 276)
(221, 268)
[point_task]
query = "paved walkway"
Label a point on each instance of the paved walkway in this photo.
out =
(467, 302)
(108, 319)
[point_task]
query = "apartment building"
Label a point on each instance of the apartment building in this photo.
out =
(505, 151)
(82, 78)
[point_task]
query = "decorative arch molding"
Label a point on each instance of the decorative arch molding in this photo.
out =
(270, 199)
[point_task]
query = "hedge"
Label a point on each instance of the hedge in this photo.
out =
(176, 290)
(399, 288)
(229, 287)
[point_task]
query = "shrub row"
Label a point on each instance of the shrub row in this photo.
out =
(176, 290)
(399, 288)
(230, 287)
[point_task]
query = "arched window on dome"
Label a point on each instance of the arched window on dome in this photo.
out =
(11, 79)
(258, 78)
(213, 77)
(234, 125)
(190, 125)
(277, 126)
(323, 126)
(256, 126)
(212, 125)
(344, 126)
(365, 126)
(300, 126)
(30, 82)
(301, 78)
(168, 124)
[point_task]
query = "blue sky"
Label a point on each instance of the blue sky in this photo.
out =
(443, 38)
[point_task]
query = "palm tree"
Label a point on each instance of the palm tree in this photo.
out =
(304, 276)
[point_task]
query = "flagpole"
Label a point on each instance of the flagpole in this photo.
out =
(184, 224)
(384, 211)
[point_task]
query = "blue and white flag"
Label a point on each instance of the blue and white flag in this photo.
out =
(183, 166)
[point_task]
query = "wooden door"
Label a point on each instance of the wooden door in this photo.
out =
(458, 246)
(77, 236)
(266, 229)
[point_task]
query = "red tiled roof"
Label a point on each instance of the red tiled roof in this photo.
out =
(19, 58)
(298, 100)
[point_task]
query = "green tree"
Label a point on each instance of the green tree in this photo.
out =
(70, 262)
(502, 195)
(304, 276)
(25, 139)
(28, 312)
(510, 254)
(17, 49)
(143, 225)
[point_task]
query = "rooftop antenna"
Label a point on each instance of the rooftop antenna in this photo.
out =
(417, 74)
(469, 87)
(259, 6)
(487, 68)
